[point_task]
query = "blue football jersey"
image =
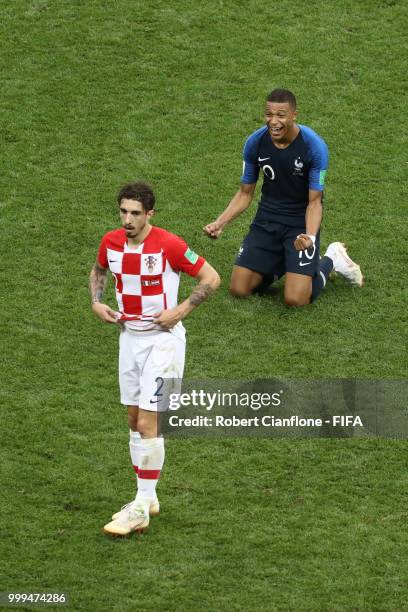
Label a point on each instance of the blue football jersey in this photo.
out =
(288, 173)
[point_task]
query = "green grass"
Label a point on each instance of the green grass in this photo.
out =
(97, 93)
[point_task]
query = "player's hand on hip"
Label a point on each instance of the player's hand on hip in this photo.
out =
(104, 312)
(213, 230)
(168, 318)
(302, 242)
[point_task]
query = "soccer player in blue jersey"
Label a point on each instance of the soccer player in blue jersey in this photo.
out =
(284, 237)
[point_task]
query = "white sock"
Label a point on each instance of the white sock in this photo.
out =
(151, 461)
(134, 447)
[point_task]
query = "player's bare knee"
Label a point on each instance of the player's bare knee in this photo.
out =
(294, 300)
(239, 290)
(132, 421)
(147, 424)
(147, 429)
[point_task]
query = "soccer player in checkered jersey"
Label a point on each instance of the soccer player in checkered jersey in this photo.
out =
(146, 262)
(284, 238)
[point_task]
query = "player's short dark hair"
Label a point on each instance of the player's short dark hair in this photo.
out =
(282, 95)
(140, 191)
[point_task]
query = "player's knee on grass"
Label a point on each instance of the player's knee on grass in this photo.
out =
(293, 298)
(243, 281)
(298, 289)
(239, 291)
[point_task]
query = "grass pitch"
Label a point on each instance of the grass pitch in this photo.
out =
(98, 93)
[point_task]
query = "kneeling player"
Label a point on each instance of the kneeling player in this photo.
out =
(146, 262)
(284, 236)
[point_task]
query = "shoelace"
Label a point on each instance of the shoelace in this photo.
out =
(137, 512)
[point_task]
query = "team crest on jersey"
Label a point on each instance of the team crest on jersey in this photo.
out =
(298, 169)
(150, 262)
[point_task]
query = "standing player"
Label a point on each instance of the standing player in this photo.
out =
(146, 262)
(284, 236)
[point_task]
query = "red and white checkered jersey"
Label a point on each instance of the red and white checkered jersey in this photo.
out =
(147, 277)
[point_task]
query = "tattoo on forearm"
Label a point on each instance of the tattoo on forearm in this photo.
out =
(200, 293)
(97, 283)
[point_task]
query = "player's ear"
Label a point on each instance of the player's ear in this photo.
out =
(150, 213)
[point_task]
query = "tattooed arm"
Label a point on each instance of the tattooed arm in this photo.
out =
(97, 284)
(209, 281)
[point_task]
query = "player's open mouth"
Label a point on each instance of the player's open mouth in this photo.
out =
(276, 131)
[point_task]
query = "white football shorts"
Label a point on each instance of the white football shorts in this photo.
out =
(151, 366)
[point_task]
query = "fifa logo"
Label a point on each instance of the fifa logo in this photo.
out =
(150, 263)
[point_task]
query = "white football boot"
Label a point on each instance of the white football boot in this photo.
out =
(343, 264)
(154, 509)
(136, 518)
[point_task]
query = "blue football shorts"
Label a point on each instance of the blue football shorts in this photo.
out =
(269, 250)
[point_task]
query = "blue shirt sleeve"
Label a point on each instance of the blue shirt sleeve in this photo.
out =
(250, 167)
(320, 158)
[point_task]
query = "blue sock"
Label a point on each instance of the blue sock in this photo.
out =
(266, 281)
(319, 281)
